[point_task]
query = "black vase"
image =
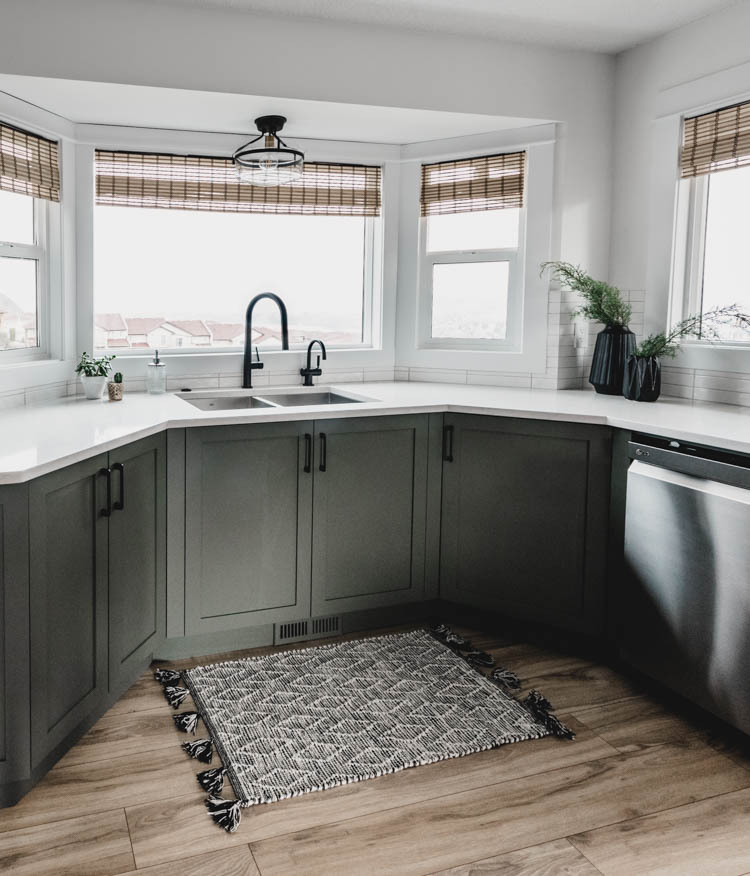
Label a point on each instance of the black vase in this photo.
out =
(642, 381)
(613, 346)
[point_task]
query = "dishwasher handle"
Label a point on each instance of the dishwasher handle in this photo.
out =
(689, 464)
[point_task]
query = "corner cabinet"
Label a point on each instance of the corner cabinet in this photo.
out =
(97, 573)
(525, 517)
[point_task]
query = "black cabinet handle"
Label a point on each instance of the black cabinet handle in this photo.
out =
(448, 443)
(323, 451)
(308, 453)
(120, 503)
(107, 472)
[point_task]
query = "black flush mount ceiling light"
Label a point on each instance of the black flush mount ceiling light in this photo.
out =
(273, 163)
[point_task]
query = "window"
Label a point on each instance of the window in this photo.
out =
(181, 246)
(470, 240)
(29, 179)
(714, 220)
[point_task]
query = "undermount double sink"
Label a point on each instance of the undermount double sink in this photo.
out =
(242, 399)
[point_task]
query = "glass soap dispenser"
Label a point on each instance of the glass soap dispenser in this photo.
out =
(156, 376)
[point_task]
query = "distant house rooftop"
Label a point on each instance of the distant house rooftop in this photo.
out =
(110, 322)
(143, 325)
(226, 331)
(195, 327)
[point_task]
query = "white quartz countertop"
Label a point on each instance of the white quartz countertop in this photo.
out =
(38, 439)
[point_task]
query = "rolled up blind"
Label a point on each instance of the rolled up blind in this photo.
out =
(28, 164)
(719, 140)
(190, 182)
(491, 182)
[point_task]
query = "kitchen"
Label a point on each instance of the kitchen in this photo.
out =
(335, 402)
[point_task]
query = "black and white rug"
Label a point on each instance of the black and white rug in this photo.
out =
(303, 720)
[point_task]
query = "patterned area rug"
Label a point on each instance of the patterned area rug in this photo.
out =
(303, 720)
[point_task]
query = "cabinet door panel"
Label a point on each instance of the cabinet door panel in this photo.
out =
(247, 526)
(68, 562)
(15, 760)
(137, 558)
(524, 519)
(369, 513)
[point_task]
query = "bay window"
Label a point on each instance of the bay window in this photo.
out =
(181, 245)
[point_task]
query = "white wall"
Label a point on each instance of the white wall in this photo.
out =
(652, 80)
(156, 44)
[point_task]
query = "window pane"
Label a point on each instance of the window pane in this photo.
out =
(18, 304)
(488, 229)
(725, 274)
(181, 278)
(16, 218)
(470, 300)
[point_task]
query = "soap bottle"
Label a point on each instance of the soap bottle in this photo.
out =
(156, 376)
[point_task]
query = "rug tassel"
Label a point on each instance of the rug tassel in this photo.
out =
(186, 721)
(201, 750)
(212, 780)
(479, 658)
(226, 813)
(541, 708)
(167, 676)
(505, 678)
(175, 695)
(463, 646)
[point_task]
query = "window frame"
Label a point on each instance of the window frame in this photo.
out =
(513, 256)
(39, 252)
(371, 303)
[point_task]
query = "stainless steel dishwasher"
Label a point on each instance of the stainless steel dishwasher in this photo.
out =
(686, 606)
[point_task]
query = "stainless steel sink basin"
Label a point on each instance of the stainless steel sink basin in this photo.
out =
(241, 399)
(226, 402)
(291, 399)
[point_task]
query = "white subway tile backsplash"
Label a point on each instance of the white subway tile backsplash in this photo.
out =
(496, 378)
(437, 375)
(12, 400)
(192, 382)
(721, 396)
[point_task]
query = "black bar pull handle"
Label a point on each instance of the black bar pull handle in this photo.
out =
(323, 451)
(448, 443)
(107, 472)
(308, 453)
(120, 503)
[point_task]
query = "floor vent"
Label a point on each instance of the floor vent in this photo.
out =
(302, 630)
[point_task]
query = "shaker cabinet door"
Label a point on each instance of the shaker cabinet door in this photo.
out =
(68, 531)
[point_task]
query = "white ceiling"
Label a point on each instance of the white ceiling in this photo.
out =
(170, 108)
(598, 25)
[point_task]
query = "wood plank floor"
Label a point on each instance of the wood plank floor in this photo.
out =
(644, 789)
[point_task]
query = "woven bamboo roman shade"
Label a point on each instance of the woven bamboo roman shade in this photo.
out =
(189, 182)
(492, 182)
(716, 141)
(28, 164)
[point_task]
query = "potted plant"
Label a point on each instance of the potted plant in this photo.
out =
(93, 374)
(114, 388)
(601, 303)
(642, 378)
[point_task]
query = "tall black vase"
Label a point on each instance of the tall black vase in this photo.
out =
(614, 344)
(642, 381)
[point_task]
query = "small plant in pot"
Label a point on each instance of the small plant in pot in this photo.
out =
(601, 303)
(642, 378)
(93, 374)
(114, 387)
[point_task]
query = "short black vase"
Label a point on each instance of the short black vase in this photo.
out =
(642, 381)
(613, 346)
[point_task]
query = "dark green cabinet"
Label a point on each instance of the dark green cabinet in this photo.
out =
(68, 595)
(15, 758)
(525, 515)
(97, 573)
(247, 525)
(137, 557)
(369, 509)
